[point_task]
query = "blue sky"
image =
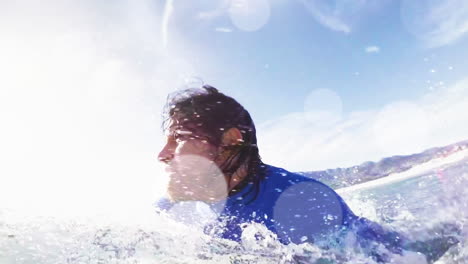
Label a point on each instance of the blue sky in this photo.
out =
(378, 57)
(294, 52)
(328, 83)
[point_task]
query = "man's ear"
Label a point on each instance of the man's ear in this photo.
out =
(231, 137)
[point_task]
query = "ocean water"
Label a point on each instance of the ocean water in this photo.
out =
(423, 205)
(427, 204)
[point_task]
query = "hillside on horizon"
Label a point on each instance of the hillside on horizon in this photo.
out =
(368, 171)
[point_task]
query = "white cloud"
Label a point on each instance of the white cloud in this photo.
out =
(405, 127)
(215, 11)
(372, 49)
(246, 15)
(326, 17)
(437, 23)
(342, 15)
(223, 29)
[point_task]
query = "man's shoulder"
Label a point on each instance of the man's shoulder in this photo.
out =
(279, 182)
(304, 206)
(282, 175)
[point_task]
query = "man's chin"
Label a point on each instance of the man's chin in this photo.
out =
(177, 195)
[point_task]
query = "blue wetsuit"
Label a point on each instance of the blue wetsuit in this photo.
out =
(296, 208)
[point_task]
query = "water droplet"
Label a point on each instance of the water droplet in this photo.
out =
(249, 15)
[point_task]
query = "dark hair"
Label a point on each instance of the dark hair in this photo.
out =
(210, 113)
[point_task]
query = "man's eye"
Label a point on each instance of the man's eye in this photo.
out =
(179, 137)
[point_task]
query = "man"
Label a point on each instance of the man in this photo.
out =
(211, 155)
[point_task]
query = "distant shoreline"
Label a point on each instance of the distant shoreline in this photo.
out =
(416, 171)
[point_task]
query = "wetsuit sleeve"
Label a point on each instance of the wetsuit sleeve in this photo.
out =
(308, 211)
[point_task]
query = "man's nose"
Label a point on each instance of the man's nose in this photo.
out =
(166, 154)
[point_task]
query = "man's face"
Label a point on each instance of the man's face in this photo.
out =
(192, 165)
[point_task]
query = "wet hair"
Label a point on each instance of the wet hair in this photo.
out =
(208, 113)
